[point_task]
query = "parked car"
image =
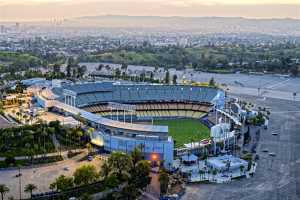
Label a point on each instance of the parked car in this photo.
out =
(90, 158)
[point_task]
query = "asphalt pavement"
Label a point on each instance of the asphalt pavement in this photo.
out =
(278, 176)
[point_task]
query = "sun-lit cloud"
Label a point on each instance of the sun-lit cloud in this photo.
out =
(175, 2)
(49, 9)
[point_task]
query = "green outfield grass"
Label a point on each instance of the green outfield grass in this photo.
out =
(184, 130)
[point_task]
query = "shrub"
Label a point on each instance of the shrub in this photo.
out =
(10, 160)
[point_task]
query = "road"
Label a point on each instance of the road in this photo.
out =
(4, 123)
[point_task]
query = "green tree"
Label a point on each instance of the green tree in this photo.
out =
(214, 172)
(1, 105)
(90, 131)
(142, 76)
(141, 174)
(70, 66)
(120, 164)
(201, 173)
(105, 170)
(81, 70)
(174, 79)
(151, 76)
(85, 196)
(212, 82)
(85, 174)
(19, 87)
(89, 147)
(164, 181)
(294, 95)
(29, 188)
(136, 156)
(242, 169)
(100, 67)
(167, 77)
(68, 70)
(295, 71)
(62, 183)
(56, 68)
(3, 190)
(124, 66)
(118, 73)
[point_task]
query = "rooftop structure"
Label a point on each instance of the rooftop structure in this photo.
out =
(226, 162)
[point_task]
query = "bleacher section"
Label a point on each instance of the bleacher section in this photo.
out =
(155, 110)
(95, 93)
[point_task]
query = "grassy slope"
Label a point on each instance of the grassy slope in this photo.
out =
(13, 56)
(175, 57)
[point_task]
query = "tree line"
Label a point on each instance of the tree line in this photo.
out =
(227, 58)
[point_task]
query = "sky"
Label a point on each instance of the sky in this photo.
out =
(60, 9)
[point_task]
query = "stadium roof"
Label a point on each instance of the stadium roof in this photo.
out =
(90, 87)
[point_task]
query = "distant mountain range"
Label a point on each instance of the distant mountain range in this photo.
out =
(193, 24)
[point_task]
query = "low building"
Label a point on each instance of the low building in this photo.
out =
(227, 162)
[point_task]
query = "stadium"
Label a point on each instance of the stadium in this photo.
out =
(150, 117)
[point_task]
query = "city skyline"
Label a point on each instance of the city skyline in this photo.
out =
(24, 10)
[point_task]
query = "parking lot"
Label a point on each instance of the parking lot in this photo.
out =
(41, 176)
(4, 123)
(277, 177)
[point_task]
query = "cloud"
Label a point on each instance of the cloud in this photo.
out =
(43, 9)
(174, 2)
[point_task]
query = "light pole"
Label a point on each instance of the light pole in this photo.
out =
(294, 95)
(20, 184)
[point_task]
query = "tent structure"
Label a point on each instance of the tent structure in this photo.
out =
(189, 159)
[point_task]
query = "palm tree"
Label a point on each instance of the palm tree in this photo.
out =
(208, 173)
(201, 173)
(29, 188)
(18, 115)
(3, 190)
(214, 172)
(89, 147)
(24, 117)
(44, 134)
(242, 169)
(294, 95)
(164, 181)
(142, 148)
(90, 131)
(79, 134)
(136, 156)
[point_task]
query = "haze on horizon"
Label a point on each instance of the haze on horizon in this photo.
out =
(24, 10)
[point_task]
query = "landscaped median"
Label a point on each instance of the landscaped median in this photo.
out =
(11, 162)
(34, 144)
